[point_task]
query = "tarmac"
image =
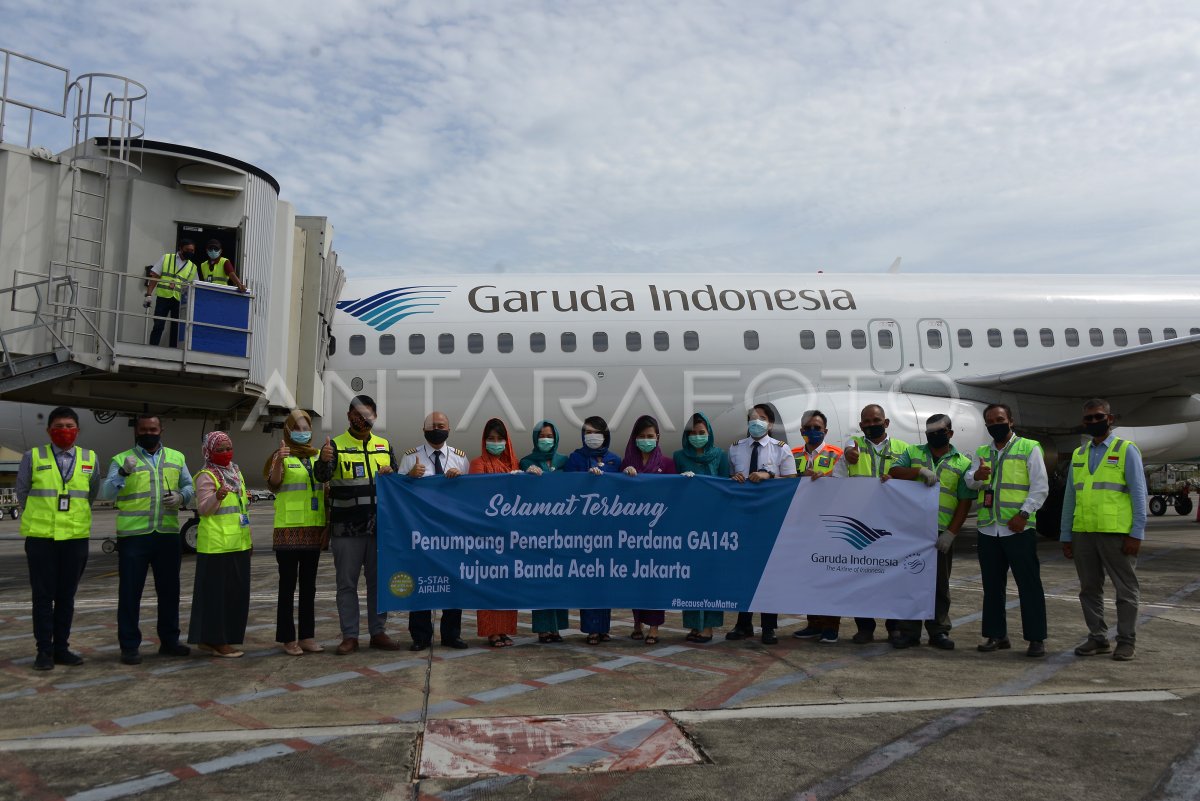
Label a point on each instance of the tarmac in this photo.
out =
(621, 720)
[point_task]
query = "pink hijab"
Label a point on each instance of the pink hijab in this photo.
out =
(229, 477)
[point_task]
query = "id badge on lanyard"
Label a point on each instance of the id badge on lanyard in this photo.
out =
(64, 503)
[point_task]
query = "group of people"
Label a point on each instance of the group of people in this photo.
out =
(326, 498)
(169, 279)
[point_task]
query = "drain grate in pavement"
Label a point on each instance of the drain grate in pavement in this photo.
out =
(612, 741)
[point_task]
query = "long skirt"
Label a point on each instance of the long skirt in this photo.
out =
(220, 598)
(491, 622)
(595, 621)
(549, 621)
(649, 617)
(703, 620)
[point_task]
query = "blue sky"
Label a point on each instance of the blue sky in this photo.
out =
(683, 136)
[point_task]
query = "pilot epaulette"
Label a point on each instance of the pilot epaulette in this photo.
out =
(460, 453)
(410, 451)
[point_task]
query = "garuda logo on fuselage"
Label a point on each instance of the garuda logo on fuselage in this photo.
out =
(854, 531)
(383, 309)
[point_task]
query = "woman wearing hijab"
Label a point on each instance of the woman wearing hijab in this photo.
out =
(546, 459)
(221, 593)
(595, 458)
(496, 457)
(644, 456)
(700, 456)
(299, 531)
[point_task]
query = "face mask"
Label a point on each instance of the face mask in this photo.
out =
(999, 431)
(64, 437)
(698, 440)
(646, 445)
(495, 448)
(362, 424)
(437, 436)
(814, 436)
(756, 428)
(301, 437)
(593, 441)
(187, 255)
(148, 442)
(874, 432)
(1096, 429)
(214, 254)
(546, 444)
(937, 439)
(222, 459)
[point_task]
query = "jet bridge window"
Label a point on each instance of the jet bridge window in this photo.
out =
(387, 344)
(1047, 337)
(416, 344)
(633, 341)
(537, 342)
(858, 339)
(808, 340)
(1144, 336)
(446, 343)
(1071, 335)
(833, 339)
(965, 340)
(358, 345)
(1096, 337)
(934, 338)
(475, 343)
(995, 339)
(750, 340)
(662, 340)
(1021, 337)
(504, 343)
(599, 341)
(691, 340)
(567, 342)
(1120, 338)
(1169, 333)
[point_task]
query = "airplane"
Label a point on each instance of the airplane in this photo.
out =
(525, 347)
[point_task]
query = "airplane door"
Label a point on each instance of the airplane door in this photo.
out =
(935, 345)
(887, 355)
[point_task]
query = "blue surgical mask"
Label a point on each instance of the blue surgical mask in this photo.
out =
(813, 436)
(646, 445)
(301, 437)
(495, 448)
(545, 444)
(698, 440)
(756, 427)
(214, 254)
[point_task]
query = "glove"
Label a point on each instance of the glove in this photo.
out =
(945, 540)
(173, 500)
(688, 474)
(146, 302)
(929, 477)
(128, 465)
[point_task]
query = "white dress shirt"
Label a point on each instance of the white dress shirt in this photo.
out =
(451, 458)
(1039, 484)
(773, 455)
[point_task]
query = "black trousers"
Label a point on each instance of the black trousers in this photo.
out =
(940, 624)
(165, 307)
(293, 564)
(745, 621)
(135, 555)
(1018, 552)
(55, 567)
(420, 625)
(867, 625)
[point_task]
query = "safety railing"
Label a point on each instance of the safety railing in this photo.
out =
(9, 94)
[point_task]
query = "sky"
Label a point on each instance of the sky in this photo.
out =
(748, 136)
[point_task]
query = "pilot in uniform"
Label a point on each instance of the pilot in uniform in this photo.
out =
(436, 457)
(761, 455)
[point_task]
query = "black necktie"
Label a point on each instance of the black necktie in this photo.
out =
(754, 457)
(437, 464)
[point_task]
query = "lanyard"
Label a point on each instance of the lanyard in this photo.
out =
(997, 462)
(63, 478)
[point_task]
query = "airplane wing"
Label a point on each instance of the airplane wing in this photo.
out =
(1170, 367)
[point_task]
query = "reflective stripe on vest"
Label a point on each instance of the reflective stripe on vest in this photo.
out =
(171, 279)
(950, 470)
(355, 464)
(139, 504)
(214, 273)
(823, 459)
(868, 464)
(222, 531)
(294, 500)
(41, 517)
(1009, 481)
(1102, 500)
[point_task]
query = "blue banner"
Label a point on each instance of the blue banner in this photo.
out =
(656, 542)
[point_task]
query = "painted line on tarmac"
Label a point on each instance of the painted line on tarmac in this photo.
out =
(854, 709)
(169, 739)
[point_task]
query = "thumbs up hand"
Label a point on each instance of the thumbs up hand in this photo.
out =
(284, 450)
(327, 451)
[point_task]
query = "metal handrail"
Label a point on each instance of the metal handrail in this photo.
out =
(6, 101)
(40, 322)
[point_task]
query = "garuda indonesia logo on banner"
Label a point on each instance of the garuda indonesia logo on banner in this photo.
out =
(384, 309)
(854, 531)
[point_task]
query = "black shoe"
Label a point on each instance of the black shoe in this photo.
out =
(1036, 648)
(418, 646)
(43, 661)
(131, 658)
(174, 649)
(863, 637)
(904, 641)
(67, 658)
(738, 634)
(994, 644)
(942, 642)
(768, 637)
(457, 642)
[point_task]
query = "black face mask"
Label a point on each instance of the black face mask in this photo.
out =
(999, 431)
(437, 436)
(148, 442)
(362, 424)
(874, 432)
(1096, 429)
(937, 439)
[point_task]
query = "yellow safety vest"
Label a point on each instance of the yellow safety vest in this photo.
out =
(43, 516)
(868, 464)
(214, 273)
(172, 277)
(228, 529)
(1009, 483)
(139, 504)
(300, 501)
(355, 464)
(1102, 499)
(950, 471)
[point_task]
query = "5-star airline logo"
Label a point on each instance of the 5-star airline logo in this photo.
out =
(854, 531)
(384, 309)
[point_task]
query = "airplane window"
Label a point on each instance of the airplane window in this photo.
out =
(858, 338)
(633, 341)
(1169, 333)
(934, 338)
(358, 345)
(1144, 336)
(750, 340)
(537, 342)
(567, 341)
(475, 343)
(387, 344)
(965, 340)
(994, 337)
(1021, 337)
(1096, 336)
(1120, 338)
(662, 340)
(885, 339)
(691, 340)
(1047, 337)
(1194, 332)
(1071, 336)
(833, 339)
(416, 344)
(599, 342)
(808, 340)
(445, 343)
(504, 343)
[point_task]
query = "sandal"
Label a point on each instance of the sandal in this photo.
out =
(292, 648)
(555, 637)
(651, 640)
(504, 638)
(545, 637)
(703, 639)
(496, 643)
(605, 637)
(593, 639)
(637, 635)
(692, 636)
